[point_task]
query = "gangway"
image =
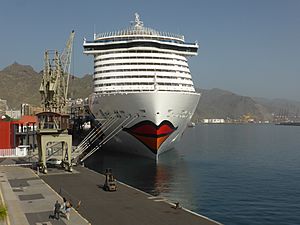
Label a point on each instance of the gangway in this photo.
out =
(111, 127)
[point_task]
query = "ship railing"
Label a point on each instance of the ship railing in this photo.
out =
(139, 32)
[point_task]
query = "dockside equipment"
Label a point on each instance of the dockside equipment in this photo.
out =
(110, 181)
(53, 122)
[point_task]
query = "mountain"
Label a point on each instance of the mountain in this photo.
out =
(81, 87)
(20, 84)
(217, 103)
(19, 70)
(280, 107)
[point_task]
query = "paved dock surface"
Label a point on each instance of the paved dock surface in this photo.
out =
(30, 200)
(125, 206)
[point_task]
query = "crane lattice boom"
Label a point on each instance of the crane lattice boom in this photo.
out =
(55, 81)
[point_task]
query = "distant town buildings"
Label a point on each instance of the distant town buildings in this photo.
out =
(3, 106)
(77, 101)
(247, 118)
(213, 121)
(14, 114)
(29, 110)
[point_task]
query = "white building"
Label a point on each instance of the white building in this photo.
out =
(213, 121)
(15, 114)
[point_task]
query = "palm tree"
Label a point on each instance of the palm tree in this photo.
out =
(3, 212)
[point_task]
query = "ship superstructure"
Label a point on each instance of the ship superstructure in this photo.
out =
(141, 70)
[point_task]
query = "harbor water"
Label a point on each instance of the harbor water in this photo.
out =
(234, 174)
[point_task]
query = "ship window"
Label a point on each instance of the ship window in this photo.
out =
(133, 51)
(137, 90)
(140, 63)
(140, 57)
(141, 76)
(127, 70)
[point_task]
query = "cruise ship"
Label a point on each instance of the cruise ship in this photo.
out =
(143, 73)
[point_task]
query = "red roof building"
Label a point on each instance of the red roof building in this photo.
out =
(8, 130)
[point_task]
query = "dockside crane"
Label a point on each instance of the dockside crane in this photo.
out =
(54, 120)
(55, 80)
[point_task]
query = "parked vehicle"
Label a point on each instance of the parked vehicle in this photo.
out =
(53, 162)
(110, 182)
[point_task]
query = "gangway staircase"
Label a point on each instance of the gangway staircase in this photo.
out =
(100, 135)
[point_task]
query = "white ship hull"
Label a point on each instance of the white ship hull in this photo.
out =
(162, 119)
(141, 71)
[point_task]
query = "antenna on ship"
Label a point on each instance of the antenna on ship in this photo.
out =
(95, 32)
(137, 21)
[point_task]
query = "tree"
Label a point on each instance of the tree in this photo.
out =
(3, 212)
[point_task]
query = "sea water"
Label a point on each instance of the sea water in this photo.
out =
(234, 174)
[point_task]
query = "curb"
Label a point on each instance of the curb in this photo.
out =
(3, 203)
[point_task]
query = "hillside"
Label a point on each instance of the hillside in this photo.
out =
(81, 87)
(280, 106)
(217, 103)
(20, 84)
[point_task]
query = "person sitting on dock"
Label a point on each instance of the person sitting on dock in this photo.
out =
(68, 210)
(63, 206)
(78, 205)
(177, 206)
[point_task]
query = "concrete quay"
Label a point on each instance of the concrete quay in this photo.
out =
(30, 200)
(125, 206)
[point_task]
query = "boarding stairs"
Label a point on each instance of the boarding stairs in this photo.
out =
(100, 135)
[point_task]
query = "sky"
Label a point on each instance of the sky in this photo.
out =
(249, 47)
